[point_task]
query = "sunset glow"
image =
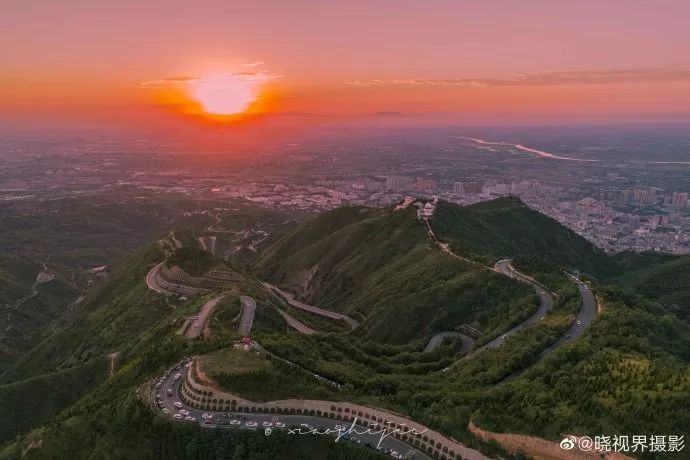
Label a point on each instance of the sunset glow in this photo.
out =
(350, 60)
(223, 94)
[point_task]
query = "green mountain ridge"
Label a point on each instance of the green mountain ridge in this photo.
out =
(379, 266)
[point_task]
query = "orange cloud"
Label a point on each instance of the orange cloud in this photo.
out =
(546, 79)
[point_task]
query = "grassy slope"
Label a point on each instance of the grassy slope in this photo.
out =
(380, 265)
(630, 374)
(659, 277)
(259, 379)
(506, 227)
(111, 317)
(35, 400)
(192, 260)
(27, 317)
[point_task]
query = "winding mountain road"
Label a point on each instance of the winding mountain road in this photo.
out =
(437, 340)
(152, 280)
(295, 323)
(588, 311)
(247, 319)
(166, 398)
(196, 326)
(289, 298)
(582, 322)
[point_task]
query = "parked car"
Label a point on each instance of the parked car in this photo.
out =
(251, 423)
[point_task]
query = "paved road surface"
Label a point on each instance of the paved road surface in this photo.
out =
(248, 310)
(437, 340)
(152, 279)
(197, 326)
(584, 319)
(168, 402)
(545, 304)
(295, 323)
(588, 312)
(310, 308)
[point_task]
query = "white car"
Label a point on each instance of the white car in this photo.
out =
(177, 416)
(280, 425)
(166, 410)
(267, 424)
(235, 422)
(251, 423)
(189, 418)
(178, 404)
(579, 322)
(184, 412)
(340, 427)
(395, 454)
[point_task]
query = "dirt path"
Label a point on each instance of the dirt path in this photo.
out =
(539, 448)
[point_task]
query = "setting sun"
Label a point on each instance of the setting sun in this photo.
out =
(224, 94)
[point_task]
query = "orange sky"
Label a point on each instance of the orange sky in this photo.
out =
(539, 58)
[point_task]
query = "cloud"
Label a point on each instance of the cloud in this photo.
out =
(166, 81)
(545, 79)
(253, 64)
(254, 77)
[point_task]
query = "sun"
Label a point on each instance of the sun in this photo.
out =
(224, 94)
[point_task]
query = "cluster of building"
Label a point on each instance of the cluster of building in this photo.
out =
(609, 207)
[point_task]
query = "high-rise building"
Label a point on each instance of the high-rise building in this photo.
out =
(399, 183)
(634, 221)
(425, 185)
(473, 188)
(624, 197)
(641, 197)
(458, 188)
(679, 200)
